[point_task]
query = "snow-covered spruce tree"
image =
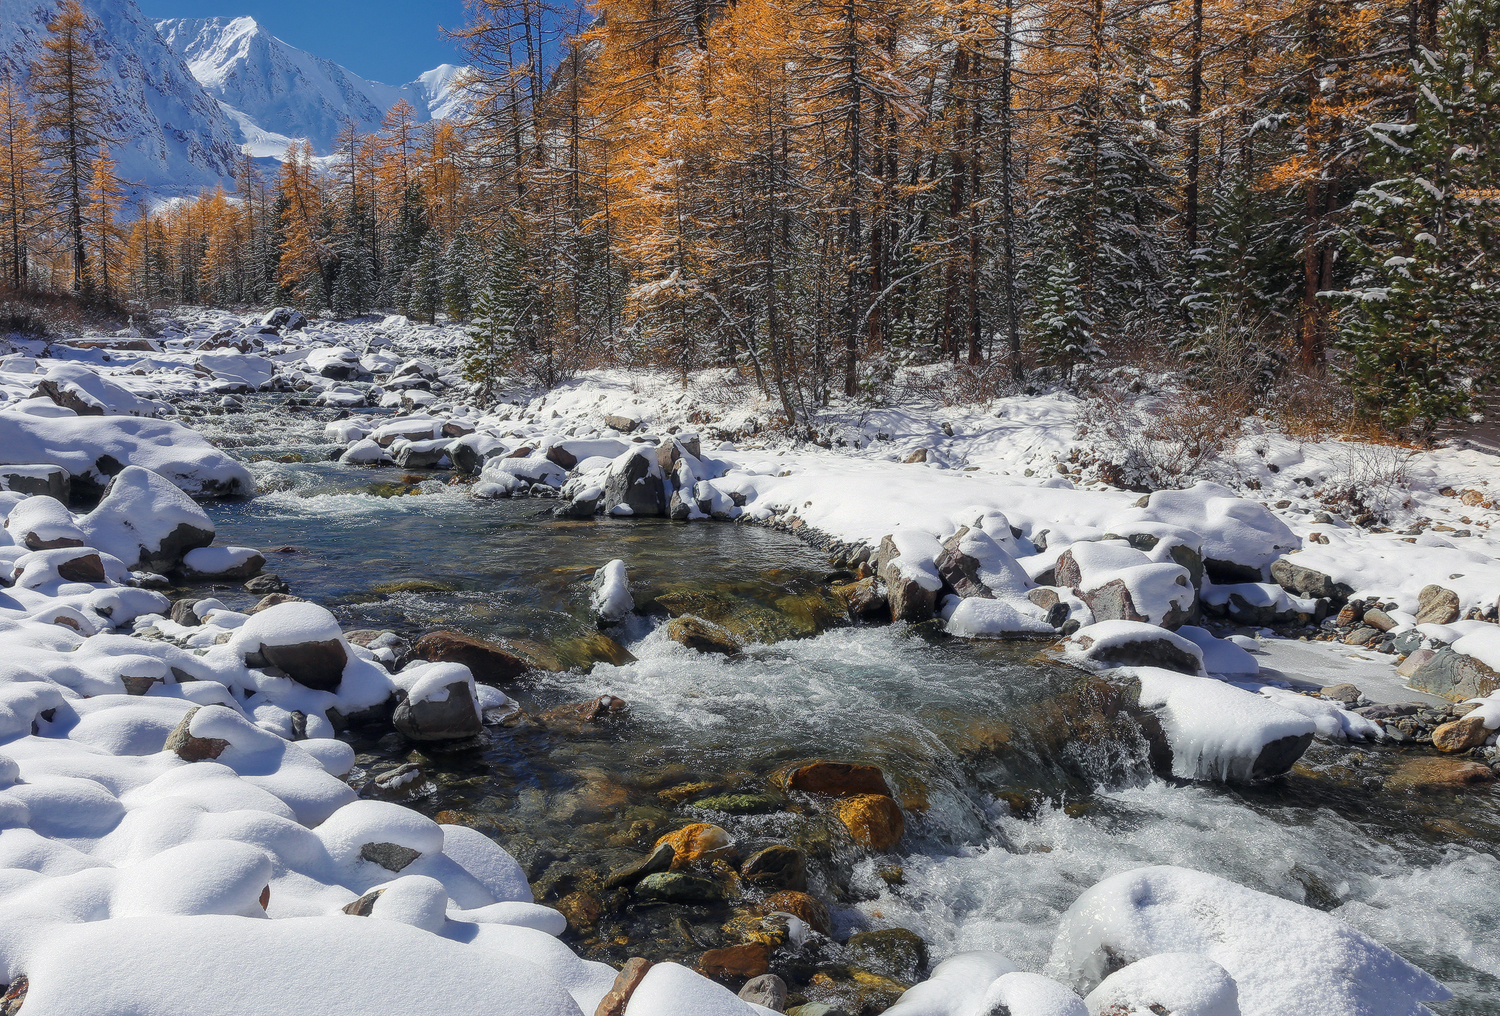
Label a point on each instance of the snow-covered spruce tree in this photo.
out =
(494, 329)
(354, 286)
(425, 297)
(460, 267)
(1417, 329)
(1100, 220)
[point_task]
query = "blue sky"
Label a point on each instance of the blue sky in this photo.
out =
(383, 40)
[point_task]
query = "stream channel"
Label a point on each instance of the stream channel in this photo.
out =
(1006, 822)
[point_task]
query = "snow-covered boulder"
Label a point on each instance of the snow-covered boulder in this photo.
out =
(226, 564)
(1222, 733)
(146, 521)
(609, 593)
(1283, 957)
(1240, 537)
(979, 617)
(254, 371)
(76, 387)
(972, 563)
(441, 703)
(1110, 644)
(300, 638)
(366, 452)
(1120, 583)
(635, 480)
(44, 523)
(906, 564)
(95, 448)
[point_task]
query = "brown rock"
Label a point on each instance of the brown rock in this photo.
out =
(909, 600)
(1471, 498)
(1044, 597)
(874, 822)
(800, 905)
(1347, 616)
(700, 841)
(1379, 620)
(1438, 773)
(735, 963)
(1413, 663)
(863, 597)
(317, 665)
(189, 748)
(704, 636)
(363, 906)
(1361, 637)
(83, 568)
(920, 455)
(1345, 693)
(776, 867)
(1436, 605)
(15, 994)
(1460, 735)
(618, 996)
(602, 708)
(490, 663)
(582, 909)
(272, 599)
(839, 779)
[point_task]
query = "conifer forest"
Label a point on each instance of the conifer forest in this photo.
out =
(819, 191)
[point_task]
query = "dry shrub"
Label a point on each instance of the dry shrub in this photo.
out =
(957, 384)
(1150, 443)
(1372, 483)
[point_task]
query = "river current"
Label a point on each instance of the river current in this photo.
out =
(1006, 822)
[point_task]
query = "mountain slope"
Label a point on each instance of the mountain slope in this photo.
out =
(175, 139)
(277, 92)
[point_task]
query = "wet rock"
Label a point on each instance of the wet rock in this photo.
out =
(800, 905)
(582, 910)
(659, 860)
(1436, 605)
(390, 856)
(736, 962)
(895, 953)
(586, 650)
(701, 842)
(453, 718)
(816, 1009)
(1277, 757)
(766, 990)
(1346, 693)
(1308, 582)
(1438, 773)
(776, 867)
(1460, 735)
(794, 615)
(839, 779)
(874, 822)
(618, 997)
(189, 748)
(490, 663)
(740, 804)
(677, 887)
(704, 636)
(403, 783)
(908, 598)
(865, 598)
(211, 565)
(264, 585)
(1389, 711)
(604, 707)
(318, 665)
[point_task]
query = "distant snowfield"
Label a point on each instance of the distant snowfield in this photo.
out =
(171, 793)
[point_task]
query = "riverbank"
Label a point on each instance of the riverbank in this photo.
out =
(272, 674)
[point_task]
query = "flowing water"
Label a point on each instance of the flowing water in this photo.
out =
(1007, 819)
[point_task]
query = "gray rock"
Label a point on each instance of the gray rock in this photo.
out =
(659, 860)
(767, 990)
(185, 746)
(1454, 676)
(1278, 757)
(390, 856)
(1361, 637)
(453, 719)
(182, 613)
(619, 421)
(1345, 693)
(42, 478)
(264, 585)
(776, 867)
(1379, 619)
(1294, 578)
(678, 510)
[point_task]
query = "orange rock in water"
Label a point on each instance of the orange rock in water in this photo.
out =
(800, 905)
(874, 821)
(839, 779)
(700, 841)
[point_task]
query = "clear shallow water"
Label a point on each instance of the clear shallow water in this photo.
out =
(1007, 823)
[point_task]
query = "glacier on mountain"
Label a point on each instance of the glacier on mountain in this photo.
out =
(275, 92)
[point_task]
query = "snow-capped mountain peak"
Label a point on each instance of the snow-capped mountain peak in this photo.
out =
(276, 92)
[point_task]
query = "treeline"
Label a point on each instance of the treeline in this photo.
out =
(817, 191)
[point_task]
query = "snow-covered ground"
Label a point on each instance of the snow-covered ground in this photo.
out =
(171, 787)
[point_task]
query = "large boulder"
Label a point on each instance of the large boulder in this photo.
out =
(1455, 676)
(1120, 583)
(1109, 644)
(489, 663)
(301, 639)
(37, 478)
(973, 564)
(1437, 605)
(1308, 582)
(906, 565)
(44, 523)
(1241, 538)
(635, 481)
(147, 522)
(441, 704)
